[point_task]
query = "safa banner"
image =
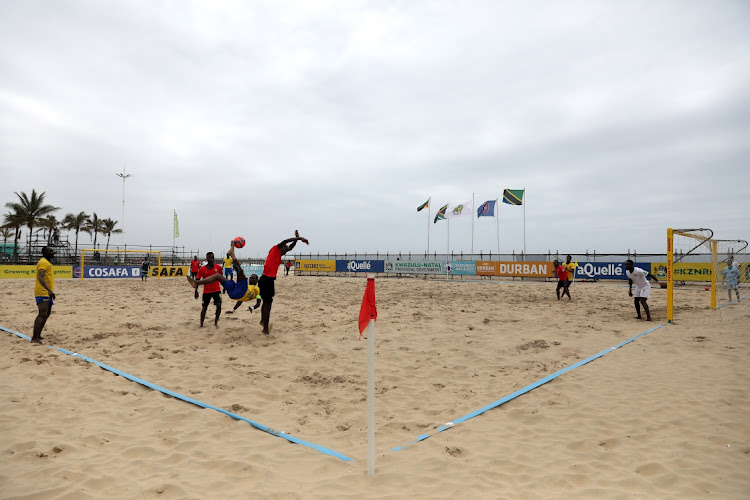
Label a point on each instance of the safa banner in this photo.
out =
(606, 270)
(167, 271)
(111, 272)
(360, 266)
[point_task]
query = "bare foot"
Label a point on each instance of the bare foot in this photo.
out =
(36, 341)
(648, 319)
(265, 331)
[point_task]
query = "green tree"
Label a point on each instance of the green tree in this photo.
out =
(31, 209)
(49, 223)
(76, 222)
(94, 225)
(5, 232)
(13, 220)
(108, 228)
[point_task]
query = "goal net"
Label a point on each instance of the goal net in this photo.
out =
(96, 263)
(698, 261)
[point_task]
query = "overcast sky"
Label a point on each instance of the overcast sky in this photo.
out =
(340, 118)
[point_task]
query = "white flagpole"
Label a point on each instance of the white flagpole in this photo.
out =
(524, 223)
(371, 397)
(472, 225)
(428, 225)
(449, 235)
(497, 222)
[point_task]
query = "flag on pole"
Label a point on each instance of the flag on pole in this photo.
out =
(367, 310)
(460, 210)
(486, 209)
(440, 215)
(513, 196)
(176, 226)
(424, 205)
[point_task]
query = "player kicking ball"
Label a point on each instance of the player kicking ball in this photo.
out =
(237, 290)
(642, 287)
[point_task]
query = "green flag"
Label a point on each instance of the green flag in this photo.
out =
(176, 226)
(424, 205)
(513, 196)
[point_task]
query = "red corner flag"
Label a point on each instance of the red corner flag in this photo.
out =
(368, 310)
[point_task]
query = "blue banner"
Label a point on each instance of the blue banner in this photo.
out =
(360, 266)
(465, 267)
(606, 270)
(112, 272)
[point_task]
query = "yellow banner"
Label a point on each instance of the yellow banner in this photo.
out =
(169, 271)
(30, 271)
(326, 266)
(683, 271)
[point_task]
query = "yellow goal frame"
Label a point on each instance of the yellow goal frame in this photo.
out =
(84, 250)
(670, 265)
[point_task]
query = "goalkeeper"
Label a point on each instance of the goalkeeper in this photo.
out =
(731, 275)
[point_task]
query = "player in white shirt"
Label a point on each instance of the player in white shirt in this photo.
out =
(642, 287)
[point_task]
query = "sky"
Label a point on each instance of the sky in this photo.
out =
(256, 118)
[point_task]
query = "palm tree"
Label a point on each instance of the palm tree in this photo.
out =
(76, 222)
(31, 209)
(13, 220)
(49, 223)
(5, 232)
(108, 227)
(94, 225)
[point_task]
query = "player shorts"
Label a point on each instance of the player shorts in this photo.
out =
(236, 289)
(213, 295)
(228, 271)
(44, 299)
(562, 284)
(643, 292)
(267, 288)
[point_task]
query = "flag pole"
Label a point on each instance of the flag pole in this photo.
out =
(371, 393)
(449, 237)
(472, 225)
(497, 223)
(524, 224)
(428, 225)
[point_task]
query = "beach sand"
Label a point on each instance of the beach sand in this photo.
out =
(666, 416)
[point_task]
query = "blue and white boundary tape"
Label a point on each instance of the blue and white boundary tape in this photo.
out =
(281, 434)
(734, 301)
(526, 389)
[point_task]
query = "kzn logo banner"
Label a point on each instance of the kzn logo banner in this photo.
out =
(408, 267)
(168, 271)
(325, 266)
(360, 266)
(683, 271)
(30, 271)
(607, 270)
(111, 272)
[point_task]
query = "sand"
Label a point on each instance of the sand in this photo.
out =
(666, 416)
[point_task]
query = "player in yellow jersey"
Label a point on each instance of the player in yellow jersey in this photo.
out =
(44, 292)
(253, 292)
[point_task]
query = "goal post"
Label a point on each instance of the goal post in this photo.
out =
(111, 258)
(690, 246)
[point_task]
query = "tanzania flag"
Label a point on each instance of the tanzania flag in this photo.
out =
(513, 196)
(440, 215)
(424, 205)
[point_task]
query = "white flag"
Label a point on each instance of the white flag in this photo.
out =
(460, 210)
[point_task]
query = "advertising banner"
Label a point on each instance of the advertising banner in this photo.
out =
(30, 271)
(525, 269)
(683, 271)
(167, 271)
(486, 268)
(606, 270)
(325, 266)
(408, 267)
(360, 266)
(463, 267)
(111, 272)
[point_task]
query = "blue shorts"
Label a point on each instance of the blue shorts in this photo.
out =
(44, 299)
(236, 289)
(228, 271)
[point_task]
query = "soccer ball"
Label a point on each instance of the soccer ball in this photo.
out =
(239, 242)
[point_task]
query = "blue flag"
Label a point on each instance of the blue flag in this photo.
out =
(486, 209)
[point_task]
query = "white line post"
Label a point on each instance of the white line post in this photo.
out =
(371, 393)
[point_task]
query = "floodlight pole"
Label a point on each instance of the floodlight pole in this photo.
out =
(123, 176)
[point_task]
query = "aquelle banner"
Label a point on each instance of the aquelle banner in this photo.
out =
(606, 270)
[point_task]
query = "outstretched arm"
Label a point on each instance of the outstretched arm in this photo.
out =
(651, 276)
(289, 243)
